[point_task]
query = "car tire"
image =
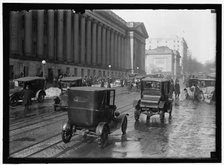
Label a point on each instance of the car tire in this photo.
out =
(124, 125)
(66, 136)
(102, 139)
(40, 97)
(13, 102)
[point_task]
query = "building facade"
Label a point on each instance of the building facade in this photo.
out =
(163, 60)
(74, 44)
(175, 43)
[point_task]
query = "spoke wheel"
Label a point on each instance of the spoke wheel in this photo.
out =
(103, 138)
(41, 98)
(124, 125)
(13, 102)
(66, 136)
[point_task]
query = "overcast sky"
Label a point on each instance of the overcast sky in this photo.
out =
(198, 27)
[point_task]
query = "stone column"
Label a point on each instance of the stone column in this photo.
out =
(122, 53)
(103, 46)
(119, 52)
(89, 41)
(112, 49)
(108, 43)
(116, 50)
(76, 38)
(68, 36)
(99, 45)
(94, 43)
(28, 33)
(14, 32)
(51, 34)
(60, 35)
(40, 33)
(83, 29)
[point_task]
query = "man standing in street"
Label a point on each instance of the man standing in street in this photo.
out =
(177, 89)
(27, 98)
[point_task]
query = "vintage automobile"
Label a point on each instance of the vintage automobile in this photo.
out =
(92, 111)
(66, 82)
(37, 85)
(207, 88)
(155, 98)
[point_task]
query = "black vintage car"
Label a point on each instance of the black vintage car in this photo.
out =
(65, 83)
(155, 98)
(92, 110)
(37, 85)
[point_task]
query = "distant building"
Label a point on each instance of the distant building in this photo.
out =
(74, 44)
(175, 43)
(163, 60)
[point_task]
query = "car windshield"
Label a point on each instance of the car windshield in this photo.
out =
(152, 85)
(19, 84)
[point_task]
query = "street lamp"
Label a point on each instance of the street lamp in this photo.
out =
(109, 77)
(43, 62)
(137, 69)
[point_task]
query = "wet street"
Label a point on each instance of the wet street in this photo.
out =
(190, 133)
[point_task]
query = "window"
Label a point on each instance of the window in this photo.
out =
(75, 71)
(94, 72)
(82, 72)
(111, 97)
(88, 72)
(104, 74)
(67, 70)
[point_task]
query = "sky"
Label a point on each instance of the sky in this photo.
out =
(198, 27)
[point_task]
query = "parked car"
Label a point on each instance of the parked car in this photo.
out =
(207, 87)
(155, 98)
(93, 111)
(66, 82)
(37, 85)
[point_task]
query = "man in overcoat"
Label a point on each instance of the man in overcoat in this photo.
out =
(27, 98)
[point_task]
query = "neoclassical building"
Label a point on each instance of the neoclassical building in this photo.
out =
(75, 44)
(163, 60)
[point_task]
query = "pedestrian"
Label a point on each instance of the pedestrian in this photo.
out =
(171, 90)
(177, 89)
(196, 92)
(27, 98)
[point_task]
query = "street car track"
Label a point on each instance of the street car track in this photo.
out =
(33, 149)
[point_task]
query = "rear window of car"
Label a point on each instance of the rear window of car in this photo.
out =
(152, 85)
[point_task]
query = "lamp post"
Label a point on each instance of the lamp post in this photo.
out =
(137, 69)
(43, 67)
(109, 66)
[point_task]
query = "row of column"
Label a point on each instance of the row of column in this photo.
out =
(71, 37)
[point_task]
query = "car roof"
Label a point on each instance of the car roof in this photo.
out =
(90, 89)
(155, 79)
(71, 78)
(206, 79)
(29, 78)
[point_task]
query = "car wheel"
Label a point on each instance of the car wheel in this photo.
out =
(124, 125)
(137, 114)
(161, 116)
(13, 102)
(40, 97)
(201, 96)
(103, 137)
(66, 136)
